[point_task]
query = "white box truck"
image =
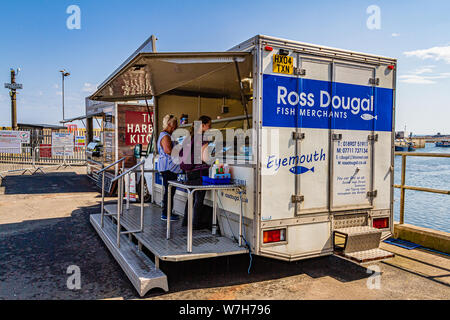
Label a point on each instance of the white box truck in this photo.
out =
(318, 160)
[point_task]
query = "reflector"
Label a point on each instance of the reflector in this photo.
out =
(381, 223)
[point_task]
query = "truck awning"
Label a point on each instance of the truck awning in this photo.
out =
(153, 74)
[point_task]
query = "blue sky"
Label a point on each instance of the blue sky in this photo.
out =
(36, 39)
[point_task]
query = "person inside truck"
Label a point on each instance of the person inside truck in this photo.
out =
(166, 166)
(195, 169)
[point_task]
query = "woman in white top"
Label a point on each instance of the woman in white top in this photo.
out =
(168, 169)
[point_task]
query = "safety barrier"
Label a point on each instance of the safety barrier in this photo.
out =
(27, 159)
(73, 155)
(16, 159)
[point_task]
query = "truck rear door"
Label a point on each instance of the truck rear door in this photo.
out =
(295, 157)
(353, 104)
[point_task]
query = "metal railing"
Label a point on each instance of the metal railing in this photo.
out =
(32, 160)
(53, 155)
(404, 187)
(16, 159)
(120, 190)
(102, 171)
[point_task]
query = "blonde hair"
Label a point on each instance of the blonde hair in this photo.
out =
(168, 119)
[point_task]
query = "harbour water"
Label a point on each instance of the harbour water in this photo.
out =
(424, 209)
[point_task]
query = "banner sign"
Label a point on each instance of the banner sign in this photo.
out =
(138, 128)
(304, 103)
(23, 136)
(45, 150)
(61, 142)
(80, 141)
(10, 145)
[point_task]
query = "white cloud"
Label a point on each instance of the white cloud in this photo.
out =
(89, 87)
(56, 86)
(395, 34)
(423, 75)
(424, 69)
(435, 53)
(416, 79)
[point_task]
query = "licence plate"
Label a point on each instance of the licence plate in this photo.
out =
(283, 64)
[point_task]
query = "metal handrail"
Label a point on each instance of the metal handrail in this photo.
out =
(93, 161)
(102, 171)
(423, 154)
(128, 171)
(404, 187)
(113, 164)
(120, 199)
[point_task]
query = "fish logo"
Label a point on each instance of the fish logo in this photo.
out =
(300, 169)
(367, 116)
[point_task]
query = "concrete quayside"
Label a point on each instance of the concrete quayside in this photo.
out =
(51, 216)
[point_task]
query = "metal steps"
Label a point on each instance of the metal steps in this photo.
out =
(204, 243)
(359, 244)
(141, 271)
(371, 255)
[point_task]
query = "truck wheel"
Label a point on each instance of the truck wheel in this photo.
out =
(147, 195)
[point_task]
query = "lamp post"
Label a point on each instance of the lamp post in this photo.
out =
(63, 74)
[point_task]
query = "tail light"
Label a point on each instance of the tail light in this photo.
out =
(381, 223)
(274, 236)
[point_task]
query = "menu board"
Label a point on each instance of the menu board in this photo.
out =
(108, 138)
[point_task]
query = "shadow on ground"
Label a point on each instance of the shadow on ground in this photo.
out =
(52, 182)
(33, 264)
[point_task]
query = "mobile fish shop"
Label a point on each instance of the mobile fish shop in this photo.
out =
(312, 175)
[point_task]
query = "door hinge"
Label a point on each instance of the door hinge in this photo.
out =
(372, 194)
(299, 72)
(297, 199)
(337, 136)
(298, 135)
(374, 81)
(373, 137)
